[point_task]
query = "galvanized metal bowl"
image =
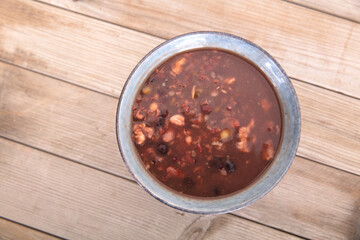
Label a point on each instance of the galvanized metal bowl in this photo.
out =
(290, 122)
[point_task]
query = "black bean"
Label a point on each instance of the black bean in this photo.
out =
(188, 182)
(160, 122)
(162, 148)
(229, 166)
(164, 113)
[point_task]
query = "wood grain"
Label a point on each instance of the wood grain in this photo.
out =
(310, 45)
(349, 9)
(77, 49)
(330, 129)
(314, 201)
(59, 118)
(13, 231)
(80, 127)
(105, 81)
(77, 202)
(108, 76)
(73, 196)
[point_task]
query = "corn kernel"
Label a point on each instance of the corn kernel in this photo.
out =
(146, 90)
(225, 133)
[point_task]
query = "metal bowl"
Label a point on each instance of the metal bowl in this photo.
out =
(290, 122)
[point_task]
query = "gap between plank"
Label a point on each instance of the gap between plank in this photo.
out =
(66, 158)
(339, 169)
(117, 97)
(321, 11)
(105, 94)
(96, 18)
(56, 78)
(164, 39)
(129, 180)
(324, 88)
(33, 228)
(277, 229)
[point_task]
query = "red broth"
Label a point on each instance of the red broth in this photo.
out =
(206, 123)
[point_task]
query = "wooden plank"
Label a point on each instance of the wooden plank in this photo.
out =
(313, 200)
(78, 202)
(303, 203)
(230, 228)
(77, 49)
(316, 145)
(13, 231)
(349, 9)
(81, 127)
(60, 118)
(330, 130)
(336, 219)
(310, 45)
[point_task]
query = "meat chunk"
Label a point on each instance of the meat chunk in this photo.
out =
(139, 115)
(178, 120)
(148, 131)
(267, 152)
(174, 172)
(141, 132)
(188, 140)
(168, 136)
(138, 133)
(177, 66)
(243, 145)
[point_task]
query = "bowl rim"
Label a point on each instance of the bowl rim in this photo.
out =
(286, 96)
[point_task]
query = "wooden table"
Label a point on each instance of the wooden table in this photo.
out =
(62, 67)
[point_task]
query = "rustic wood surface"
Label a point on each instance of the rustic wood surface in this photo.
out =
(348, 9)
(63, 66)
(315, 47)
(13, 231)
